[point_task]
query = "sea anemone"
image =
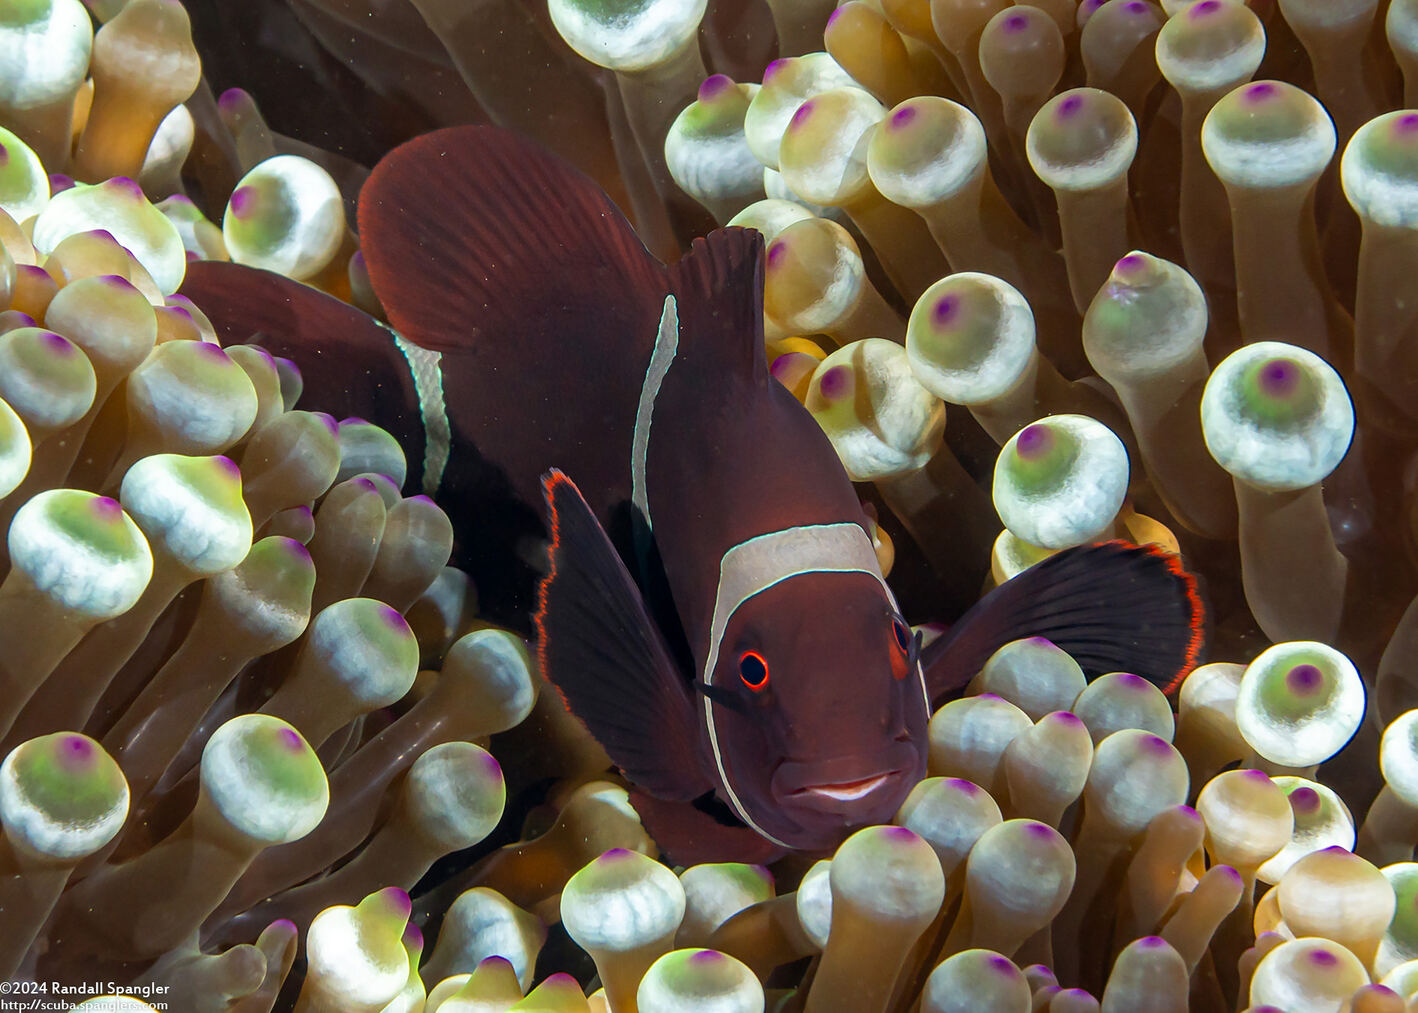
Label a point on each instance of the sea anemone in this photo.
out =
(259, 740)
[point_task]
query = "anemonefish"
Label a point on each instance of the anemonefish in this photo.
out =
(630, 486)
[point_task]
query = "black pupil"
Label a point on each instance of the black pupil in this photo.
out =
(753, 670)
(903, 635)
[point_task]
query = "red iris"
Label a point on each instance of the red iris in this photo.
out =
(901, 633)
(753, 670)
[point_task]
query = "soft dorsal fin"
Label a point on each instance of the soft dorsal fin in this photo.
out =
(475, 235)
(718, 286)
(599, 647)
(1114, 606)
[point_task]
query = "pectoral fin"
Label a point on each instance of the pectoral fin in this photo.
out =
(1115, 607)
(599, 647)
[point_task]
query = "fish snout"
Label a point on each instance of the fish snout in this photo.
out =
(861, 790)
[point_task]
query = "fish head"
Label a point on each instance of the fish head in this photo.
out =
(815, 708)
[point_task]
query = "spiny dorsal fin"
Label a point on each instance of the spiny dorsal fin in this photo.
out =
(719, 288)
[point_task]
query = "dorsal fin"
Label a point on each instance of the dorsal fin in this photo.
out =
(473, 234)
(719, 288)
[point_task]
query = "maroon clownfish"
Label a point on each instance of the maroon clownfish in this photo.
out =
(710, 605)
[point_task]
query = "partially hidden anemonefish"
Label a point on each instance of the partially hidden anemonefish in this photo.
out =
(630, 486)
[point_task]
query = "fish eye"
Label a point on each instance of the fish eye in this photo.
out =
(753, 670)
(902, 632)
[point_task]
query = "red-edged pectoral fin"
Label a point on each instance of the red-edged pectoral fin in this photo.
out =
(1114, 606)
(599, 647)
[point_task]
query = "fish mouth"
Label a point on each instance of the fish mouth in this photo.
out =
(847, 791)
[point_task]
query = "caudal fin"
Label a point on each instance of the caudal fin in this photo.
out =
(1115, 607)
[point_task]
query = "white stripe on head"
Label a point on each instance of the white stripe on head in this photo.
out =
(752, 567)
(661, 358)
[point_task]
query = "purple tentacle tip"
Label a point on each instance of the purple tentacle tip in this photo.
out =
(59, 182)
(715, 86)
(1016, 23)
(616, 854)
(290, 738)
(1130, 264)
(963, 786)
(1039, 831)
(125, 185)
(898, 835)
(76, 749)
(836, 383)
(243, 201)
(1323, 958)
(106, 508)
(1304, 679)
(780, 366)
(1278, 378)
(1204, 8)
(902, 117)
(703, 957)
(231, 98)
(1151, 942)
(947, 308)
(399, 900)
(1305, 801)
(57, 344)
(1069, 107)
(802, 115)
(1261, 91)
(1034, 441)
(1132, 682)
(773, 68)
(1406, 125)
(1002, 964)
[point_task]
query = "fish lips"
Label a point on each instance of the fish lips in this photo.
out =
(847, 791)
